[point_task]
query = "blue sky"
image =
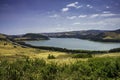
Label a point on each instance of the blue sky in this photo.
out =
(37, 16)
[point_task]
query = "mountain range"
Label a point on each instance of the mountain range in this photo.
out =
(95, 35)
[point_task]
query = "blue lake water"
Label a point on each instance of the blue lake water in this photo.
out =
(72, 43)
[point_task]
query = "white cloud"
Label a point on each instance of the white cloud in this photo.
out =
(89, 23)
(94, 15)
(72, 17)
(112, 20)
(107, 7)
(107, 15)
(106, 23)
(105, 12)
(89, 6)
(75, 5)
(82, 16)
(76, 23)
(72, 4)
(65, 9)
(54, 16)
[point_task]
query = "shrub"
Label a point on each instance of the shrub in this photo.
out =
(51, 56)
(93, 69)
(115, 50)
(82, 56)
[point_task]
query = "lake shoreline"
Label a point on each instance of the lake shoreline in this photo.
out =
(75, 44)
(59, 49)
(62, 49)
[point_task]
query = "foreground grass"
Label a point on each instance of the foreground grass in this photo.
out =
(37, 69)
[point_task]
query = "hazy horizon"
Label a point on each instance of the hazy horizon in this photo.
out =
(57, 31)
(42, 16)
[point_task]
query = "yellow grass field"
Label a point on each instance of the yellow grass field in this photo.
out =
(11, 51)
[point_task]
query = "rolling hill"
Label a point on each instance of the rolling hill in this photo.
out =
(3, 36)
(96, 35)
(109, 36)
(28, 36)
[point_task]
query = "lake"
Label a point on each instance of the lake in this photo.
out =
(73, 43)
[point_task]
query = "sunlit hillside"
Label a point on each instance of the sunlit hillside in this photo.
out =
(11, 51)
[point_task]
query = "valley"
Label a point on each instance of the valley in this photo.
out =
(21, 61)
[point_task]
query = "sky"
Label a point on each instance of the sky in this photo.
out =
(38, 16)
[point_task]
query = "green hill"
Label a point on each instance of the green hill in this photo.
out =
(95, 35)
(3, 36)
(109, 36)
(29, 36)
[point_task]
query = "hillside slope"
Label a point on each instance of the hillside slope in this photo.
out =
(74, 34)
(109, 36)
(96, 35)
(29, 36)
(3, 36)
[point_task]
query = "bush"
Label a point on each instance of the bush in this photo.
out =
(51, 56)
(115, 50)
(37, 69)
(82, 56)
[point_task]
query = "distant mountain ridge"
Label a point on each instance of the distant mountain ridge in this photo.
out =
(74, 33)
(96, 35)
(108, 36)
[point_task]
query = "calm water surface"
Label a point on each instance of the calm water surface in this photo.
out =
(72, 43)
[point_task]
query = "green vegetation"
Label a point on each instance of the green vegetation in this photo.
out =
(28, 62)
(35, 36)
(28, 37)
(110, 36)
(107, 36)
(82, 55)
(38, 69)
(115, 50)
(3, 37)
(51, 56)
(94, 35)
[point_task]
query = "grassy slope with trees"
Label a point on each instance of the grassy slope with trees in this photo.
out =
(26, 63)
(96, 35)
(28, 36)
(110, 36)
